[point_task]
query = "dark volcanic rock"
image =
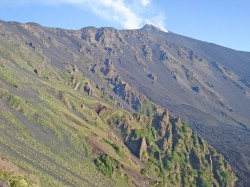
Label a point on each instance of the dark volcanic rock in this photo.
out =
(196, 89)
(152, 76)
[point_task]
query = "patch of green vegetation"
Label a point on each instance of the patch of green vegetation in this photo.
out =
(107, 165)
(15, 180)
(64, 126)
(149, 133)
(117, 148)
(203, 181)
(106, 98)
(177, 156)
(147, 108)
(8, 76)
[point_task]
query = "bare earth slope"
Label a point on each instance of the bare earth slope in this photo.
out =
(205, 84)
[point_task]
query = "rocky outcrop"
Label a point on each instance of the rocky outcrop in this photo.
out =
(124, 91)
(30, 44)
(143, 149)
(70, 68)
(87, 89)
(93, 68)
(161, 122)
(152, 76)
(163, 56)
(108, 69)
(196, 88)
(77, 86)
(137, 117)
(165, 143)
(147, 52)
(100, 108)
(38, 71)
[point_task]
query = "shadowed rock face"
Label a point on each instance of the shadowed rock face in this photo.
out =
(206, 84)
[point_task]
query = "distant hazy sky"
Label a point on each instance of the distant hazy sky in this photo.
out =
(224, 22)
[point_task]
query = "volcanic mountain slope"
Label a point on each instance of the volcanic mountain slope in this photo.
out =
(198, 81)
(67, 130)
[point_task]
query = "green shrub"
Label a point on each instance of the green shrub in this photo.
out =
(143, 171)
(175, 158)
(147, 108)
(106, 165)
(202, 181)
(15, 180)
(168, 165)
(118, 150)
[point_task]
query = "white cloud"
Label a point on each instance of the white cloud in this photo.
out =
(119, 11)
(158, 21)
(115, 10)
(145, 2)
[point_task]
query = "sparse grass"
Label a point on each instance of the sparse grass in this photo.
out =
(147, 108)
(52, 144)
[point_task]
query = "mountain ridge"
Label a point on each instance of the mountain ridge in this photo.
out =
(93, 27)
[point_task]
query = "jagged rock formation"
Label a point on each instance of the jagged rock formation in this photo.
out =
(168, 145)
(123, 90)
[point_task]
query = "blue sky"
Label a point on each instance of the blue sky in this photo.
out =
(224, 22)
